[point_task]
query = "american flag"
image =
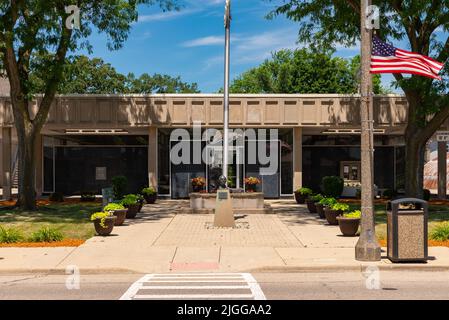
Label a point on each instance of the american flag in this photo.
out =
(388, 59)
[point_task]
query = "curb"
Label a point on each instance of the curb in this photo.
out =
(284, 269)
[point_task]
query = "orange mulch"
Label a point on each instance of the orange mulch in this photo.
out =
(63, 243)
(432, 243)
(44, 202)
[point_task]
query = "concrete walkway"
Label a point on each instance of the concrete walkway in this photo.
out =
(163, 239)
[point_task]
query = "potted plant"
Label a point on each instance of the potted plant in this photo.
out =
(119, 186)
(131, 202)
(251, 184)
(150, 194)
(322, 204)
(140, 200)
(311, 201)
(332, 186)
(301, 194)
(198, 184)
(118, 211)
(349, 223)
(103, 222)
(334, 211)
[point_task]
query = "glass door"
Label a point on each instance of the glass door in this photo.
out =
(215, 167)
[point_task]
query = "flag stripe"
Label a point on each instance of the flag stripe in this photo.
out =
(388, 59)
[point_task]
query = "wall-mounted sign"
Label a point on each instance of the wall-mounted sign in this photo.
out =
(100, 173)
(442, 136)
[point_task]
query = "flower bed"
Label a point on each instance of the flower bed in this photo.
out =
(63, 243)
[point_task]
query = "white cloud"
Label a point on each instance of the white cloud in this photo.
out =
(163, 16)
(205, 41)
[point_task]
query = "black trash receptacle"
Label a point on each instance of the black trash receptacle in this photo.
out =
(407, 230)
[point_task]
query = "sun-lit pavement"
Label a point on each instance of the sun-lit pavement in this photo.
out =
(165, 239)
(294, 286)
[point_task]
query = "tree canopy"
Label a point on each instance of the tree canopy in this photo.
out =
(83, 75)
(303, 71)
(422, 24)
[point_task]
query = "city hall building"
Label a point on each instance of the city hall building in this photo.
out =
(88, 139)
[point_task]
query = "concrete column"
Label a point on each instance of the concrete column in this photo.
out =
(442, 169)
(7, 165)
(152, 157)
(297, 179)
(39, 165)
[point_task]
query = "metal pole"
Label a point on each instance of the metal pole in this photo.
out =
(226, 90)
(367, 248)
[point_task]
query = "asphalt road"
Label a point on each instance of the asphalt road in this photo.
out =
(297, 286)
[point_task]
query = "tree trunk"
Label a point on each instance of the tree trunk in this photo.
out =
(27, 169)
(414, 168)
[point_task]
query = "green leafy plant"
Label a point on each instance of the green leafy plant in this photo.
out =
(357, 214)
(389, 194)
(304, 191)
(426, 194)
(316, 198)
(328, 201)
(149, 191)
(119, 185)
(340, 207)
(87, 196)
(113, 207)
(129, 200)
(10, 235)
(46, 234)
(332, 186)
(101, 216)
(440, 232)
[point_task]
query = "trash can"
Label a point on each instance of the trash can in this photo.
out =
(407, 230)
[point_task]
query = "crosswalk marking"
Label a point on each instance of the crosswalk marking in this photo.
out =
(196, 285)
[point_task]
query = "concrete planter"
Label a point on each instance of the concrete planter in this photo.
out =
(109, 223)
(120, 215)
(320, 210)
(349, 226)
(311, 206)
(241, 202)
(132, 211)
(300, 198)
(331, 216)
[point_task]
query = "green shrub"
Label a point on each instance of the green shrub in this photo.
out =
(340, 206)
(316, 198)
(304, 191)
(56, 197)
(426, 194)
(10, 235)
(389, 194)
(113, 207)
(332, 186)
(129, 200)
(440, 232)
(357, 214)
(102, 216)
(119, 185)
(87, 196)
(149, 191)
(46, 234)
(328, 201)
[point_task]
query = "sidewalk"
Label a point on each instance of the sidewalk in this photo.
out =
(164, 240)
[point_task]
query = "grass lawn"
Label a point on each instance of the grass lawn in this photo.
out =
(437, 213)
(73, 220)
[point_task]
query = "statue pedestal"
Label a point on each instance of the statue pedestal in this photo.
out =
(224, 214)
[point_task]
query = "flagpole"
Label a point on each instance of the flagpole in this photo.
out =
(226, 90)
(367, 247)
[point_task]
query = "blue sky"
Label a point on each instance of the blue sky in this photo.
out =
(190, 43)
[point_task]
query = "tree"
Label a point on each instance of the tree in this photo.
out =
(82, 75)
(30, 28)
(302, 71)
(326, 23)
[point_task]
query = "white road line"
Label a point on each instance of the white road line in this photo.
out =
(255, 288)
(211, 281)
(194, 296)
(192, 287)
